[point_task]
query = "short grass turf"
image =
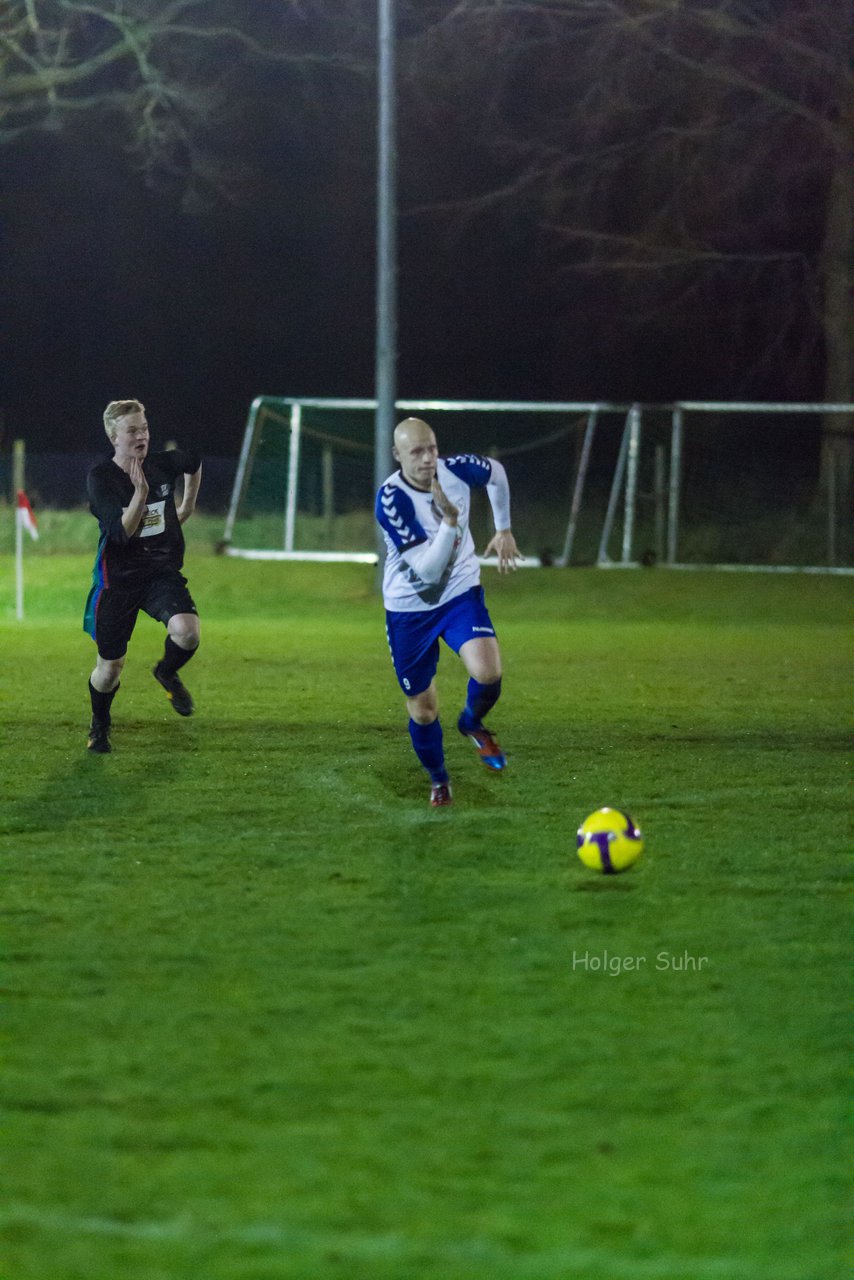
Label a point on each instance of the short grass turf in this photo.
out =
(269, 1017)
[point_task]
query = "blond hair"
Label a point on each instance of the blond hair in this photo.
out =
(120, 409)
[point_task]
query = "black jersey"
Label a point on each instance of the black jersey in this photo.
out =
(159, 541)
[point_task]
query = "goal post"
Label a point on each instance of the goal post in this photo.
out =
(744, 489)
(754, 470)
(688, 484)
(265, 500)
(304, 487)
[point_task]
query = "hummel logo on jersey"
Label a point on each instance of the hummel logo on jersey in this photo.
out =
(489, 631)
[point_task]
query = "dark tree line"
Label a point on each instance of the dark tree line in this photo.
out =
(679, 169)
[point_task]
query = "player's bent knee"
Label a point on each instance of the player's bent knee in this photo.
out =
(107, 673)
(423, 717)
(423, 709)
(482, 659)
(486, 674)
(184, 630)
(486, 670)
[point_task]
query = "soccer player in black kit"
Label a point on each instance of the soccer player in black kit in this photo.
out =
(139, 561)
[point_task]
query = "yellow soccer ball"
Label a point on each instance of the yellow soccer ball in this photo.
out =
(609, 841)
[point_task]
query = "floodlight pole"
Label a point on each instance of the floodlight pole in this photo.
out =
(386, 315)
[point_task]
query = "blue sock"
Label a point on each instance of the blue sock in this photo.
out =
(481, 698)
(427, 744)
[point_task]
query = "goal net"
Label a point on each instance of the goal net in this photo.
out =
(609, 484)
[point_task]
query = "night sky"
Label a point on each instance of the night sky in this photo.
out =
(118, 283)
(114, 290)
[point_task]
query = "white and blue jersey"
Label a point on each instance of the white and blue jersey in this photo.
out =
(409, 519)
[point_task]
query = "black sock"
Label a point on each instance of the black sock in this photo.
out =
(173, 658)
(101, 703)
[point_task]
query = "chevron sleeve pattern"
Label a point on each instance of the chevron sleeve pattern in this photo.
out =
(396, 516)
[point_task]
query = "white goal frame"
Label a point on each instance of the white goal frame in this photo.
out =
(624, 483)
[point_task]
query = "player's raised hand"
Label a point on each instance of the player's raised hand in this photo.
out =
(503, 546)
(443, 502)
(138, 479)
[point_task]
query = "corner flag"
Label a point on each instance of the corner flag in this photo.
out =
(26, 517)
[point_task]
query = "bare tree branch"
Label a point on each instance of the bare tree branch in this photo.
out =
(166, 71)
(667, 144)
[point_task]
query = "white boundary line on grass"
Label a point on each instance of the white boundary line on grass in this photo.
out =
(363, 1247)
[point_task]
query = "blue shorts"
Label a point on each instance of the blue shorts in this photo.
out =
(414, 637)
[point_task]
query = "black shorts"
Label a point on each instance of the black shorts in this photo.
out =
(114, 609)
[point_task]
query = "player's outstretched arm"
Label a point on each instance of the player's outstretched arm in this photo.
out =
(503, 546)
(192, 480)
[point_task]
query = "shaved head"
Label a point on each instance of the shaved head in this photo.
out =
(410, 430)
(416, 450)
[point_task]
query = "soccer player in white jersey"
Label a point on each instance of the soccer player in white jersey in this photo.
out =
(432, 591)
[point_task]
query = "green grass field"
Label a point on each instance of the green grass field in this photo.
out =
(269, 1017)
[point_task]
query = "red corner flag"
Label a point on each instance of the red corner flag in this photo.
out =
(26, 518)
